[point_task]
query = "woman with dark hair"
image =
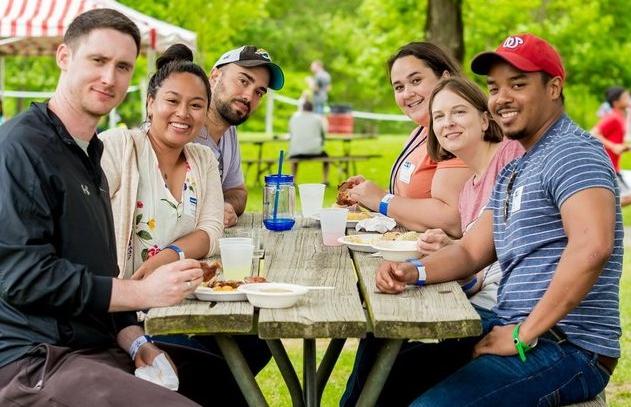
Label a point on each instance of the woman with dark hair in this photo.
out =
(165, 191)
(167, 204)
(422, 194)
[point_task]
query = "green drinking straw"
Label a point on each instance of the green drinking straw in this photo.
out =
(280, 172)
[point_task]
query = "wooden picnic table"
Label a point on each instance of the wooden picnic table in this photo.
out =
(351, 310)
(344, 162)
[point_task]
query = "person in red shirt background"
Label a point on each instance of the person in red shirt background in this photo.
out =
(612, 128)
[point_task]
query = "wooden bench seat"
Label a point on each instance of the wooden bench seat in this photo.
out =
(345, 164)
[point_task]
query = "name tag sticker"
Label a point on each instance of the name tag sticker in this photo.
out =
(517, 199)
(190, 207)
(406, 171)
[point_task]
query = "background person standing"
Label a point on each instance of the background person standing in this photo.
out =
(320, 84)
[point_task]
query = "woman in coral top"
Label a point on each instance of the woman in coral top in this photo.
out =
(422, 194)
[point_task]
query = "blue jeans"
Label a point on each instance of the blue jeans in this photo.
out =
(418, 367)
(555, 373)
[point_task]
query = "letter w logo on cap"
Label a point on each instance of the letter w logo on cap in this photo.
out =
(512, 42)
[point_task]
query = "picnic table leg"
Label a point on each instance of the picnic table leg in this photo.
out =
(309, 372)
(328, 363)
(287, 371)
(379, 372)
(241, 371)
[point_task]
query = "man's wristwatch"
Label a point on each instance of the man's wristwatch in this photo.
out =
(176, 249)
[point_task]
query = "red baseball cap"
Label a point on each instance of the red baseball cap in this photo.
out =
(526, 52)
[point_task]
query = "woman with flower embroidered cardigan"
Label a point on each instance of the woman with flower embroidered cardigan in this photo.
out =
(165, 191)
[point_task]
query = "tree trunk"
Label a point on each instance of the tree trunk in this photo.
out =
(444, 26)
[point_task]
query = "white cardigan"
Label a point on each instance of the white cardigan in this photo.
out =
(121, 169)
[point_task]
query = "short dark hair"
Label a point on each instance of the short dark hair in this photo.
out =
(178, 58)
(100, 18)
(613, 94)
(436, 59)
(307, 106)
(470, 92)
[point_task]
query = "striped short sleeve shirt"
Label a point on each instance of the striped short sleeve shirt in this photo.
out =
(530, 239)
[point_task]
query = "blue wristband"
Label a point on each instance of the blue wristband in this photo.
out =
(422, 276)
(176, 249)
(383, 204)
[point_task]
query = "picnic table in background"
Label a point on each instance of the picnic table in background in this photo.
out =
(346, 163)
(298, 256)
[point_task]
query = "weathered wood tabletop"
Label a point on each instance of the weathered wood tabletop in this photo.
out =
(299, 256)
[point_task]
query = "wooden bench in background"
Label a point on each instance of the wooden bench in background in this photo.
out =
(345, 164)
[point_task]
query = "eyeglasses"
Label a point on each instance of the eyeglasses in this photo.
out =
(509, 192)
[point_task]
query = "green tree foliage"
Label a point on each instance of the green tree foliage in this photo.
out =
(354, 38)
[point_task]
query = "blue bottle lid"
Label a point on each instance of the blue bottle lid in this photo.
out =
(279, 179)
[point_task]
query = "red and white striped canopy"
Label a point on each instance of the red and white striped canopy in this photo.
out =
(36, 27)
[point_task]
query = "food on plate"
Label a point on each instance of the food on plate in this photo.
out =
(343, 197)
(255, 279)
(230, 285)
(411, 236)
(210, 270)
(225, 285)
(361, 239)
(359, 215)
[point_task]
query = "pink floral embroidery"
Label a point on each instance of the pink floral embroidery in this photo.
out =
(139, 204)
(153, 250)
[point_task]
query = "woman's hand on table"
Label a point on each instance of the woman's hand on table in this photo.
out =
(170, 284)
(432, 240)
(367, 194)
(392, 278)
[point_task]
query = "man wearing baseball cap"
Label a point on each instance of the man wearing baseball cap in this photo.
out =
(553, 221)
(239, 79)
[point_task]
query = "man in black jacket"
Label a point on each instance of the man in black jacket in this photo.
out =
(65, 321)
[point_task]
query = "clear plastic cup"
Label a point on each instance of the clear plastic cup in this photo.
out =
(311, 198)
(333, 225)
(235, 240)
(236, 259)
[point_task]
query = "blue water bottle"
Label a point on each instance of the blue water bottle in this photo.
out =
(279, 202)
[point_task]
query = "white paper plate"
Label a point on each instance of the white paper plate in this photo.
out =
(273, 295)
(365, 244)
(396, 250)
(208, 294)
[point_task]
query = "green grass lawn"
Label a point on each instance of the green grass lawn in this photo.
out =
(619, 388)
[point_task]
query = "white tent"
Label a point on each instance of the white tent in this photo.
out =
(36, 27)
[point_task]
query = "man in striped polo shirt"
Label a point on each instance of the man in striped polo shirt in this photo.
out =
(554, 224)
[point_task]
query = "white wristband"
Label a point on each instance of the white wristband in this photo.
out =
(136, 345)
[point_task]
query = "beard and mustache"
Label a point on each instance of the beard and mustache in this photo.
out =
(224, 108)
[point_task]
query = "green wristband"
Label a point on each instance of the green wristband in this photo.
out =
(522, 347)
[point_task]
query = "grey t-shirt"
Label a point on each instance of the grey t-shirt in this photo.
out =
(228, 154)
(306, 132)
